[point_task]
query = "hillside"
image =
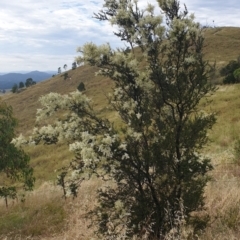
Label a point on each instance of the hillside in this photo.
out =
(220, 46)
(221, 194)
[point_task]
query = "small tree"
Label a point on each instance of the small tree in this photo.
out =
(21, 85)
(81, 87)
(15, 88)
(153, 162)
(65, 75)
(74, 65)
(65, 67)
(29, 82)
(14, 163)
(59, 70)
(228, 70)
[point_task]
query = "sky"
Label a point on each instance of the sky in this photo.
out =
(43, 35)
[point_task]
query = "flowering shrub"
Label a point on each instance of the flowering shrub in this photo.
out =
(154, 163)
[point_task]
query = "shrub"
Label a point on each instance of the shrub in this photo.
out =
(236, 74)
(65, 75)
(229, 79)
(21, 85)
(228, 72)
(29, 82)
(81, 87)
(15, 88)
(153, 165)
(74, 65)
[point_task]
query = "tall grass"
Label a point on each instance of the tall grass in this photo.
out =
(42, 214)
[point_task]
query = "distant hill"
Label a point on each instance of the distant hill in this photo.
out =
(7, 80)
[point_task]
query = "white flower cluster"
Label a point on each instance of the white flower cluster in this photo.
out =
(48, 133)
(91, 51)
(105, 145)
(143, 81)
(85, 148)
(118, 91)
(70, 129)
(190, 59)
(50, 102)
(125, 156)
(77, 98)
(129, 105)
(75, 174)
(19, 141)
(55, 101)
(122, 14)
(133, 134)
(123, 146)
(70, 126)
(90, 146)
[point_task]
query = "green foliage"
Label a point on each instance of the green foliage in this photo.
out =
(21, 85)
(236, 74)
(229, 79)
(15, 88)
(14, 163)
(228, 72)
(65, 76)
(65, 67)
(29, 82)
(59, 70)
(81, 87)
(154, 167)
(229, 68)
(8, 192)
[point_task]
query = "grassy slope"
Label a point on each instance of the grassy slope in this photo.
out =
(221, 45)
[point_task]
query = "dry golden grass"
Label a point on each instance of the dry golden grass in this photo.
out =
(223, 199)
(222, 193)
(42, 214)
(77, 225)
(222, 44)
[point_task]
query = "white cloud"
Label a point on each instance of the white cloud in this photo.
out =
(46, 33)
(222, 12)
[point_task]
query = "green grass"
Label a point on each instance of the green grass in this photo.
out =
(225, 103)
